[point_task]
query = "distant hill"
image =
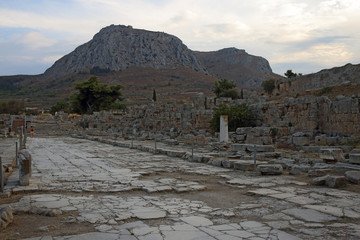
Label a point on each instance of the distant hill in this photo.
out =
(141, 61)
(328, 77)
(247, 71)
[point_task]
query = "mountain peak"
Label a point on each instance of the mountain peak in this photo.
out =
(118, 47)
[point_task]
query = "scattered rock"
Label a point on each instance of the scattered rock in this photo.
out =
(319, 180)
(354, 158)
(270, 169)
(353, 176)
(6, 217)
(319, 172)
(335, 181)
(331, 155)
(299, 169)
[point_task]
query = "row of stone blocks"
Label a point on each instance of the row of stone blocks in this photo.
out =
(243, 165)
(251, 148)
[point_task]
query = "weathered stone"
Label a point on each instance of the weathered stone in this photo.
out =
(228, 163)
(332, 155)
(238, 147)
(270, 169)
(319, 172)
(354, 158)
(25, 167)
(301, 141)
(309, 215)
(6, 217)
(224, 134)
(353, 176)
(244, 165)
(332, 141)
(335, 181)
(321, 139)
(299, 169)
(197, 221)
(260, 148)
(319, 180)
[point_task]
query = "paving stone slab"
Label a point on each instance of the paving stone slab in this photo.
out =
(335, 211)
(309, 215)
(197, 221)
(264, 192)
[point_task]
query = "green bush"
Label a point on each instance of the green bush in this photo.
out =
(268, 85)
(225, 88)
(60, 106)
(239, 115)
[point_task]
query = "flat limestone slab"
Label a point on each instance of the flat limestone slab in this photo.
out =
(309, 215)
(335, 211)
(149, 213)
(264, 192)
(197, 221)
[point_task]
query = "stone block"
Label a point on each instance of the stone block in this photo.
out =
(238, 147)
(201, 140)
(319, 172)
(260, 148)
(240, 137)
(299, 169)
(335, 181)
(228, 163)
(320, 180)
(270, 169)
(244, 165)
(354, 158)
(320, 140)
(301, 140)
(332, 155)
(332, 141)
(353, 176)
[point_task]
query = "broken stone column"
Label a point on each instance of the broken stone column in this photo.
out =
(224, 128)
(24, 167)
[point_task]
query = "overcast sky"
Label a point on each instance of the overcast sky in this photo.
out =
(305, 36)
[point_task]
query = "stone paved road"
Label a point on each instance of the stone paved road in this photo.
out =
(129, 194)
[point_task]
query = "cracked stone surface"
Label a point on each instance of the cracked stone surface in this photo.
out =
(128, 194)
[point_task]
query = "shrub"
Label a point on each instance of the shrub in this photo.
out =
(225, 88)
(239, 115)
(268, 85)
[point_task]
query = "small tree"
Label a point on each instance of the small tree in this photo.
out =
(93, 96)
(225, 88)
(60, 106)
(290, 74)
(239, 115)
(268, 85)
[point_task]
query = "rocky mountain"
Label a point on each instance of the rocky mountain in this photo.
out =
(141, 61)
(247, 71)
(116, 48)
